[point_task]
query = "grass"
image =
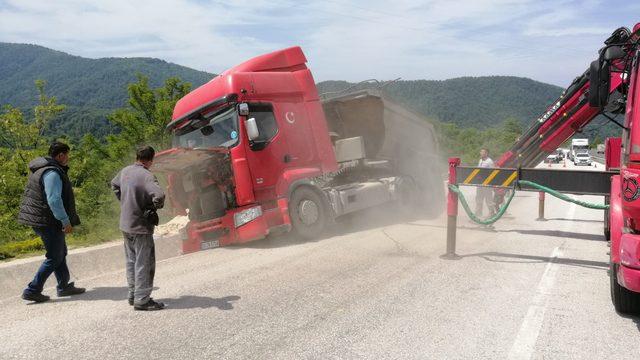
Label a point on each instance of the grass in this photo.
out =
(93, 232)
(13, 249)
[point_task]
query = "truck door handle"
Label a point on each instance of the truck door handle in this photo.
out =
(287, 158)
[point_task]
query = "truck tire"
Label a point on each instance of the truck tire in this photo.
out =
(309, 212)
(624, 301)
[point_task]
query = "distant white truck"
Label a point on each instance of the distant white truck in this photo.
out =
(600, 148)
(578, 146)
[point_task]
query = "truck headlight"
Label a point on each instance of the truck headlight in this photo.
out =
(244, 216)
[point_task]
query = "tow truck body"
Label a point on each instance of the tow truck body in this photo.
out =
(255, 151)
(610, 86)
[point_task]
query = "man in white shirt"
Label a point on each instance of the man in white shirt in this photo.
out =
(485, 194)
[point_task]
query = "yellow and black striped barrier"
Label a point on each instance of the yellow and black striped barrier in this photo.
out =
(476, 176)
(580, 182)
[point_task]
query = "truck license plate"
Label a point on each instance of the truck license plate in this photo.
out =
(209, 244)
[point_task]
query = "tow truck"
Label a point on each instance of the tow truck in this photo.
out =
(609, 87)
(257, 152)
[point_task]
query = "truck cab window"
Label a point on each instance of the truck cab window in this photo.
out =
(267, 125)
(217, 130)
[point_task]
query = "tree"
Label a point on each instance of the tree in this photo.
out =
(20, 142)
(93, 161)
(150, 111)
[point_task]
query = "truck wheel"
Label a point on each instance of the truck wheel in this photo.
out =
(309, 213)
(624, 301)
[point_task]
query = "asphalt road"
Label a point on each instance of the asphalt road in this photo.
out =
(597, 157)
(376, 289)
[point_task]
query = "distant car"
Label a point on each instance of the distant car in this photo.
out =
(582, 159)
(552, 159)
(600, 149)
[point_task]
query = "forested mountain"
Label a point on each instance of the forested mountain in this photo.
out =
(479, 102)
(469, 101)
(91, 88)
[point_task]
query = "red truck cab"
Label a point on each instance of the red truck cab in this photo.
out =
(253, 153)
(246, 180)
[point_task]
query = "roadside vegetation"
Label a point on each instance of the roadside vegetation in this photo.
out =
(93, 161)
(467, 142)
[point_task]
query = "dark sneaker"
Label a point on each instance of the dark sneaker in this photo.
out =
(149, 306)
(36, 297)
(130, 301)
(70, 290)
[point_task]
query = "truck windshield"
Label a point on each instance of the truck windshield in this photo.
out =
(220, 129)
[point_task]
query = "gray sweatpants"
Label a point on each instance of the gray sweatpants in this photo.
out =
(484, 195)
(140, 253)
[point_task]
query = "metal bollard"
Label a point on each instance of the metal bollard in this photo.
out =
(452, 212)
(541, 196)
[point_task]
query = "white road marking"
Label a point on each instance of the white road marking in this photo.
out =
(525, 342)
(524, 345)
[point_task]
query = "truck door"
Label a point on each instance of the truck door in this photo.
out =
(295, 126)
(267, 155)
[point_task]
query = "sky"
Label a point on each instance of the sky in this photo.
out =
(547, 40)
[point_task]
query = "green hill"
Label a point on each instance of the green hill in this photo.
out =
(91, 88)
(469, 101)
(479, 102)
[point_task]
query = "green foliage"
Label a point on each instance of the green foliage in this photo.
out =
(467, 142)
(21, 142)
(149, 112)
(93, 161)
(479, 102)
(91, 89)
(10, 250)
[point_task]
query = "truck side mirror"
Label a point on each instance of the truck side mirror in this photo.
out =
(252, 129)
(599, 83)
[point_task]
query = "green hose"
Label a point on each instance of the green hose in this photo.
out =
(504, 207)
(564, 197)
(473, 216)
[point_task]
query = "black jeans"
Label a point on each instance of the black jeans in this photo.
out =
(56, 261)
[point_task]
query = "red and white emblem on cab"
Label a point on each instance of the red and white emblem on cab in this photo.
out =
(290, 117)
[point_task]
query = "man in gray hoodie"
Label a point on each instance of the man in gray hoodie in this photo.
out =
(140, 196)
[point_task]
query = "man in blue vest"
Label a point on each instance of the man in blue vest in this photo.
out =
(48, 206)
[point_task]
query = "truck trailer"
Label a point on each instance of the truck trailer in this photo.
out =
(256, 152)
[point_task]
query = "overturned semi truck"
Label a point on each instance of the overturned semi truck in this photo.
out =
(255, 151)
